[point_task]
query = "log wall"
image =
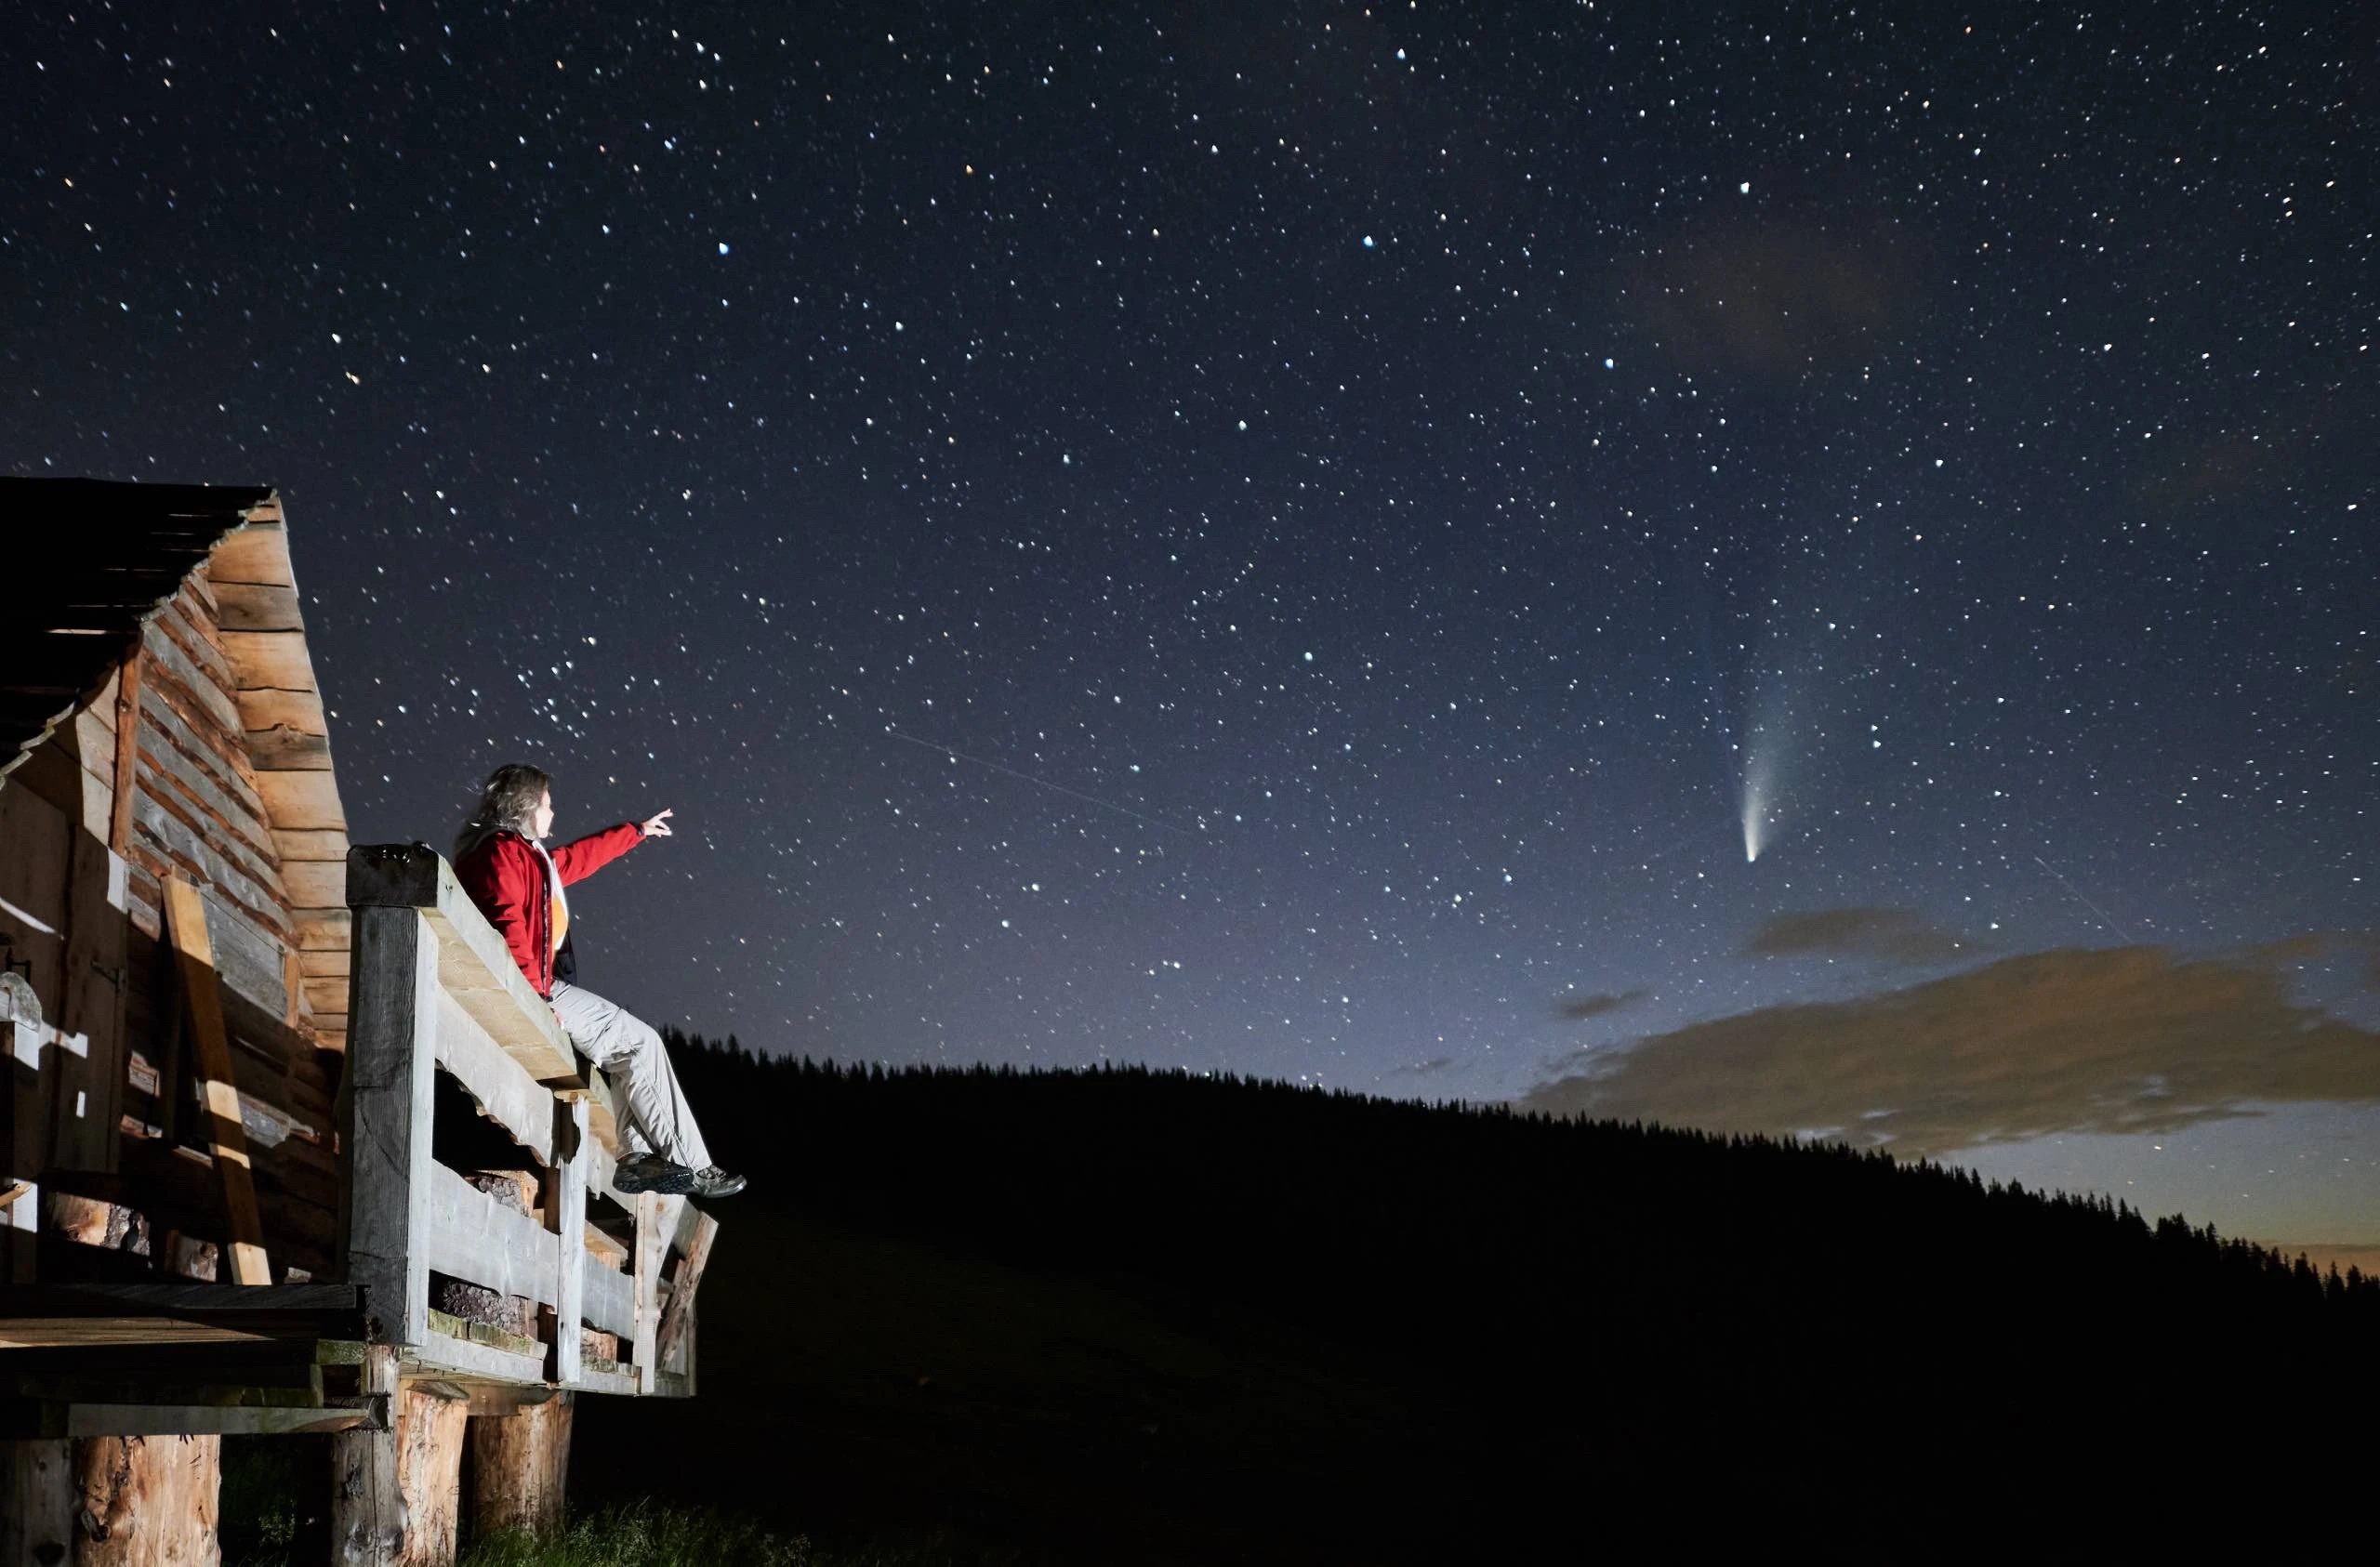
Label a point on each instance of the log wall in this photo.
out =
(205, 756)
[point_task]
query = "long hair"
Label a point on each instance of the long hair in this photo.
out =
(508, 801)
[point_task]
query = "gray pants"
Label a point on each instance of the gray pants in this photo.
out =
(630, 1051)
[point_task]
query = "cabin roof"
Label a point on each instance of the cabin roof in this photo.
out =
(108, 555)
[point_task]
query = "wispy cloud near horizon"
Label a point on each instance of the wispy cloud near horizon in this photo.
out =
(2115, 1040)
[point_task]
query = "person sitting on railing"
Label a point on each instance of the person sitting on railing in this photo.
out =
(502, 862)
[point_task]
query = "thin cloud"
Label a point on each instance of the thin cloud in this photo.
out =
(1578, 1009)
(2124, 1040)
(1890, 935)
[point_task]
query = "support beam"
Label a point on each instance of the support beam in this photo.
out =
(520, 1467)
(652, 1247)
(429, 1473)
(565, 1215)
(128, 750)
(36, 1501)
(385, 1104)
(144, 1500)
(367, 1506)
(678, 1316)
(227, 1134)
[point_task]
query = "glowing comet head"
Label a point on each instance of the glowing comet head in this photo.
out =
(1755, 821)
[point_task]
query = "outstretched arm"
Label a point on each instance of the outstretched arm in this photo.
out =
(576, 861)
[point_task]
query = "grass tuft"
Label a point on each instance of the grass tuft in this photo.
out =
(639, 1534)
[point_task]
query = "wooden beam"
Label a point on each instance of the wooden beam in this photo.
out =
(368, 1505)
(653, 1226)
(203, 1419)
(227, 1136)
(565, 1215)
(477, 1239)
(384, 1193)
(504, 1091)
(128, 753)
(677, 1317)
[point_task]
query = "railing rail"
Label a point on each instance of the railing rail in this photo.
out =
(433, 989)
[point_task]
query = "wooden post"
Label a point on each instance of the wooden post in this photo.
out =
(36, 1502)
(678, 1316)
(565, 1214)
(520, 1467)
(88, 1092)
(652, 1247)
(384, 1193)
(127, 749)
(368, 1505)
(146, 1501)
(227, 1135)
(429, 1473)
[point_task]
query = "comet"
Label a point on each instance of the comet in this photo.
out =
(1760, 781)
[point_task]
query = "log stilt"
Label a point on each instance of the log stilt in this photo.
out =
(430, 1473)
(146, 1501)
(36, 1502)
(520, 1467)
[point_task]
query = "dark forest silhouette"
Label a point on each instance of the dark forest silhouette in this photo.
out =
(1511, 1318)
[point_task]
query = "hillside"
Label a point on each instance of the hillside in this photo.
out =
(1127, 1315)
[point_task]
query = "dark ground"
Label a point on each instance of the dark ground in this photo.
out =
(1118, 1317)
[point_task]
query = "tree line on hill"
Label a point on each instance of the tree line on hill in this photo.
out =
(1628, 1301)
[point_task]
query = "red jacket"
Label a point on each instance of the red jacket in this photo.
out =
(505, 878)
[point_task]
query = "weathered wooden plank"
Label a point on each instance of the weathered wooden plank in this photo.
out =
(384, 1202)
(255, 555)
(309, 882)
(653, 1227)
(323, 929)
(212, 695)
(473, 1237)
(255, 606)
(87, 1088)
(213, 765)
(247, 957)
(227, 1135)
(323, 963)
(505, 1093)
(607, 1302)
(177, 845)
(289, 750)
(84, 1420)
(677, 1317)
(327, 993)
(467, 1357)
(302, 799)
(267, 710)
(127, 755)
(311, 843)
(564, 1209)
(189, 618)
(269, 660)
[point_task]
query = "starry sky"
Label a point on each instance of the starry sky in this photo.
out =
(1810, 570)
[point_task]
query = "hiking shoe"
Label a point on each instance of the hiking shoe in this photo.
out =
(651, 1172)
(713, 1181)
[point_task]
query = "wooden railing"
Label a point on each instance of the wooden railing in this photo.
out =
(435, 990)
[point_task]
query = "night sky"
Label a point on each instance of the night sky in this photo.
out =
(1313, 542)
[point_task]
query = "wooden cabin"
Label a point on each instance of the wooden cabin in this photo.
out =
(287, 1147)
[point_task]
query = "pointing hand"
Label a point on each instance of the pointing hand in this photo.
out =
(657, 826)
